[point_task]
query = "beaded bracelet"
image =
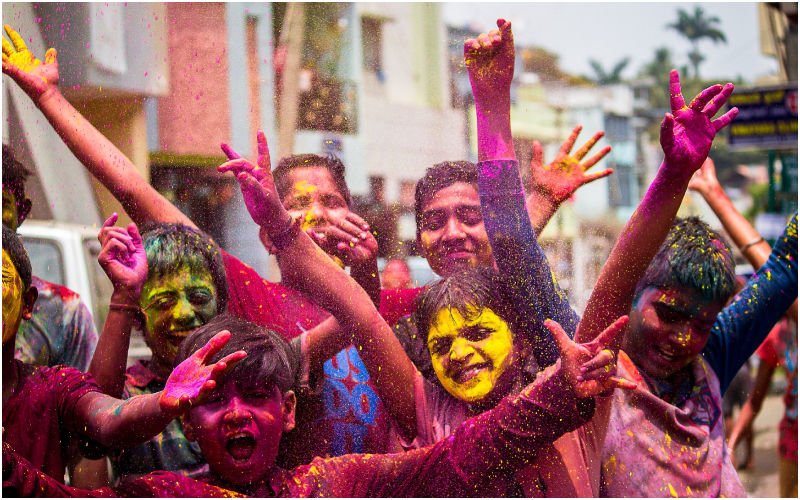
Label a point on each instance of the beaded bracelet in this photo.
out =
(754, 242)
(137, 311)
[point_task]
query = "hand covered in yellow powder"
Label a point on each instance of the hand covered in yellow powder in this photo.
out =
(35, 78)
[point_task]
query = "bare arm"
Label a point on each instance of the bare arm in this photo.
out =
(329, 286)
(753, 404)
(740, 230)
(103, 160)
(123, 259)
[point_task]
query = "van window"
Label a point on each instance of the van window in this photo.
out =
(46, 259)
(99, 283)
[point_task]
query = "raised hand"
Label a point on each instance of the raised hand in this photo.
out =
(349, 239)
(704, 181)
(590, 368)
(561, 178)
(258, 188)
(35, 78)
(193, 380)
(687, 133)
(123, 258)
(490, 62)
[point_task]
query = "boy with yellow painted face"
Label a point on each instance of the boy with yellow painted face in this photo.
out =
(42, 404)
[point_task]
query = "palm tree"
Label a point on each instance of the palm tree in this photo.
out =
(603, 77)
(695, 28)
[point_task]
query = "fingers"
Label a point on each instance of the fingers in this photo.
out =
(596, 158)
(676, 101)
(229, 152)
(263, 151)
(700, 100)
(599, 362)
(505, 30)
(236, 166)
(213, 345)
(19, 43)
(8, 50)
(562, 340)
(112, 250)
(471, 45)
(357, 220)
(51, 56)
(136, 238)
(598, 175)
(725, 119)
(667, 129)
(619, 383)
(584, 150)
(566, 147)
(719, 100)
(537, 160)
(610, 333)
(225, 364)
(110, 221)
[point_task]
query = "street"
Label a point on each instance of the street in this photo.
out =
(762, 479)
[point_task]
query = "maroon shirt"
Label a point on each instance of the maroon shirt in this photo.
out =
(37, 416)
(478, 459)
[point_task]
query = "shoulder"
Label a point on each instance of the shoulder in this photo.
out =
(54, 291)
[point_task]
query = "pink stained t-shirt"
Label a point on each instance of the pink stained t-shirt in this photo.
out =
(36, 418)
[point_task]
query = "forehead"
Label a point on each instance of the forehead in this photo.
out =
(184, 277)
(682, 298)
(450, 321)
(311, 179)
(459, 193)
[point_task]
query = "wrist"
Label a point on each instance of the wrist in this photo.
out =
(49, 94)
(126, 296)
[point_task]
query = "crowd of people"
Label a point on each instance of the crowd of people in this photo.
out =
(485, 382)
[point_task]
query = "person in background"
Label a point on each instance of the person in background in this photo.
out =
(396, 275)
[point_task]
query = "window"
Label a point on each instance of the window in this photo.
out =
(46, 259)
(372, 46)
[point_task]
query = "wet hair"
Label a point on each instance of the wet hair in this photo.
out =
(171, 246)
(468, 292)
(270, 360)
(12, 245)
(14, 174)
(692, 256)
(329, 162)
(438, 177)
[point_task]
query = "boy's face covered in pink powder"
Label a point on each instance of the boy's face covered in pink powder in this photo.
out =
(239, 429)
(314, 197)
(668, 328)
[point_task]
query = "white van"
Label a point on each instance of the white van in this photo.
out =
(66, 254)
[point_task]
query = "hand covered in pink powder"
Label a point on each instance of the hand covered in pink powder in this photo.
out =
(590, 368)
(123, 258)
(687, 133)
(35, 78)
(561, 178)
(193, 380)
(490, 65)
(348, 238)
(258, 187)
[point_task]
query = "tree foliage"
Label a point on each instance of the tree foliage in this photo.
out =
(696, 27)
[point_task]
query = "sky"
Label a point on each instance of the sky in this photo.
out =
(609, 32)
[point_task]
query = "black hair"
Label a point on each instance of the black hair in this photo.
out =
(329, 162)
(19, 257)
(692, 256)
(438, 177)
(171, 246)
(14, 174)
(269, 361)
(468, 292)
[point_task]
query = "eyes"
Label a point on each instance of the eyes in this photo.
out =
(304, 201)
(476, 333)
(198, 297)
(434, 220)
(668, 314)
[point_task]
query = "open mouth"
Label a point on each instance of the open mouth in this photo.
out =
(240, 445)
(668, 355)
(459, 254)
(470, 372)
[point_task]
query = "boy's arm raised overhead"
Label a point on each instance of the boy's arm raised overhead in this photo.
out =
(99, 155)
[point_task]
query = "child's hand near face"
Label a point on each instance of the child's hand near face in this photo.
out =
(35, 78)
(123, 259)
(687, 133)
(193, 380)
(590, 368)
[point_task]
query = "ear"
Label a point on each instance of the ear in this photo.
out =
(28, 299)
(188, 429)
(289, 405)
(23, 210)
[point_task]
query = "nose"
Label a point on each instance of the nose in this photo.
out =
(461, 352)
(681, 335)
(184, 313)
(454, 230)
(317, 213)
(237, 413)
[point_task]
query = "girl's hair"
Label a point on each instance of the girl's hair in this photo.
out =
(468, 292)
(171, 246)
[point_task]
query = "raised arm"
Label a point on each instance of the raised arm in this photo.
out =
(123, 259)
(315, 273)
(100, 157)
(122, 424)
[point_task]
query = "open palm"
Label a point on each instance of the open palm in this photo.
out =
(33, 76)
